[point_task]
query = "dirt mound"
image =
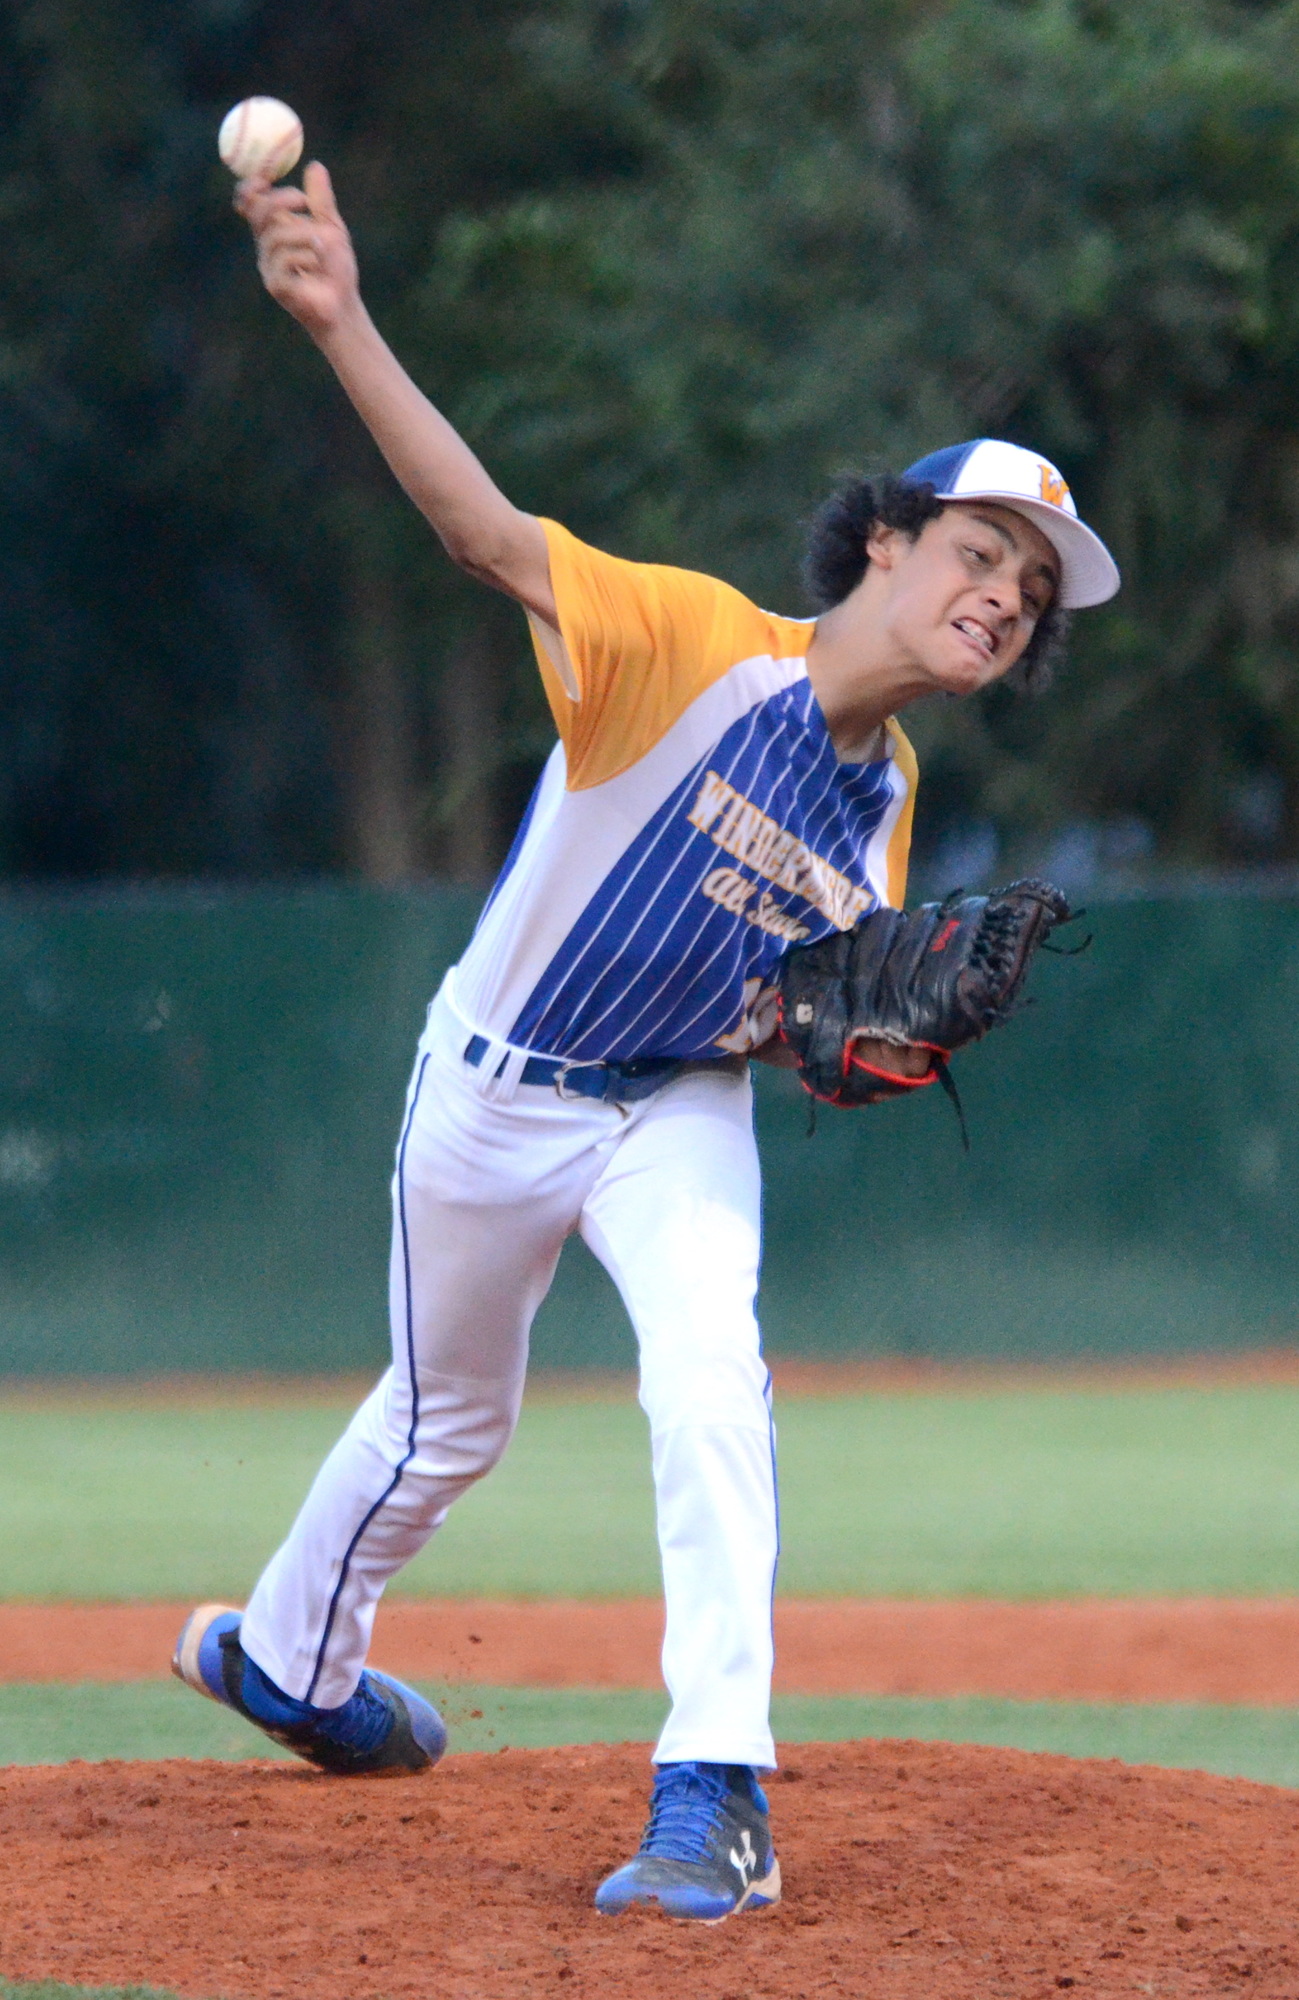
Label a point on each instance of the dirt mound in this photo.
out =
(912, 1871)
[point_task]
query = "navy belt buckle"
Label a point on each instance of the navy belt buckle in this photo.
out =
(572, 1096)
(617, 1083)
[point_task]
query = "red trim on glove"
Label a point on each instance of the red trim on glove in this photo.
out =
(891, 1076)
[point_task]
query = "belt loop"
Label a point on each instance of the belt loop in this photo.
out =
(505, 1086)
(499, 1071)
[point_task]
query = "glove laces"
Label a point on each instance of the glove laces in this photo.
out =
(686, 1806)
(993, 946)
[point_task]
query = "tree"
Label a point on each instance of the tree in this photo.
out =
(672, 268)
(227, 633)
(872, 229)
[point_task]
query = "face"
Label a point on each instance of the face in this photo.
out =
(963, 600)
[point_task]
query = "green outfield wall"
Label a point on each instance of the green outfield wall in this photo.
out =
(200, 1092)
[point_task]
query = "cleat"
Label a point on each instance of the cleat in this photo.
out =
(385, 1726)
(707, 1852)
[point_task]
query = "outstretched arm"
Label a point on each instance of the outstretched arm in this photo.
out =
(305, 256)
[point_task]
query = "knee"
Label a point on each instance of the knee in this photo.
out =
(460, 1429)
(707, 1382)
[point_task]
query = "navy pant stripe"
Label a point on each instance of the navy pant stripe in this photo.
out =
(413, 1432)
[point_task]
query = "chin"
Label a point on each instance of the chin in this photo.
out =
(967, 676)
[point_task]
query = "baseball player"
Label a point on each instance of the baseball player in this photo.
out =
(727, 783)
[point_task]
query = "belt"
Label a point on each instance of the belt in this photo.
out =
(607, 1082)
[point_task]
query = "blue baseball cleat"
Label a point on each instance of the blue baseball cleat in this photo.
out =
(707, 1850)
(383, 1727)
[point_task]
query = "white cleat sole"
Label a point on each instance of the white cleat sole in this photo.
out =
(184, 1661)
(758, 1896)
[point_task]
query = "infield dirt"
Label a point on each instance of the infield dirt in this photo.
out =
(912, 1872)
(1203, 1649)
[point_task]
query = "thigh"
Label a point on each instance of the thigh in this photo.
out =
(675, 1217)
(483, 1196)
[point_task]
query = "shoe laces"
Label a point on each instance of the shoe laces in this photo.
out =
(360, 1724)
(686, 1805)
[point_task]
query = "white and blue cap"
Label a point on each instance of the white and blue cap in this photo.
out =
(989, 469)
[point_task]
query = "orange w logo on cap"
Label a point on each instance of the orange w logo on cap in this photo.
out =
(1054, 489)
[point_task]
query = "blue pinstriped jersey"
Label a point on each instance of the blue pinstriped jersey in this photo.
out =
(692, 823)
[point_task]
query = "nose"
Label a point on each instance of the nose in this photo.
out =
(1002, 594)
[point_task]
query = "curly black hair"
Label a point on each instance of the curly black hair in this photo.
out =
(836, 559)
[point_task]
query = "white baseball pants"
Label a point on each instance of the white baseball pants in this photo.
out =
(491, 1177)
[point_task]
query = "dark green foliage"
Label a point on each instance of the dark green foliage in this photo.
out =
(211, 587)
(895, 227)
(673, 268)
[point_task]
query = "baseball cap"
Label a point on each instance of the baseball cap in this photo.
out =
(990, 469)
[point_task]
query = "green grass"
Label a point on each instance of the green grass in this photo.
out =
(1031, 1493)
(43, 1722)
(50, 1989)
(46, 1724)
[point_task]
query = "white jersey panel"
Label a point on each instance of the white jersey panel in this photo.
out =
(574, 841)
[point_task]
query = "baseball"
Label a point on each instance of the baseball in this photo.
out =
(260, 136)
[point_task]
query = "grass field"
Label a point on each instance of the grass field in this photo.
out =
(47, 1989)
(1025, 1493)
(48, 1723)
(1031, 1493)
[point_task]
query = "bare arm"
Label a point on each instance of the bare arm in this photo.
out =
(305, 256)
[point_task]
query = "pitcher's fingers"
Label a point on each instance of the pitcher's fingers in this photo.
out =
(287, 231)
(255, 196)
(290, 265)
(257, 199)
(290, 257)
(248, 193)
(319, 190)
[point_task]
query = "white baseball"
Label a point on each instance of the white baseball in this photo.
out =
(260, 136)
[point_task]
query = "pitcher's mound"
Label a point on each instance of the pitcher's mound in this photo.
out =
(912, 1871)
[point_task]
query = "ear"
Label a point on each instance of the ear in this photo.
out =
(883, 546)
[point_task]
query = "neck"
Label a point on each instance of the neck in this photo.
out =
(858, 678)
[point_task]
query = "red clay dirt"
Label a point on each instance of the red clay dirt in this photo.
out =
(912, 1872)
(878, 1376)
(1192, 1649)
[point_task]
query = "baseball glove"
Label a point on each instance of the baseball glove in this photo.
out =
(934, 979)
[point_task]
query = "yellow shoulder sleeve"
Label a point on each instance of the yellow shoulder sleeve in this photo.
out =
(642, 641)
(899, 847)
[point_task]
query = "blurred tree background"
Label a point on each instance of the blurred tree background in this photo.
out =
(672, 268)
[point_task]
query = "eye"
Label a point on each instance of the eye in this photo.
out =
(983, 556)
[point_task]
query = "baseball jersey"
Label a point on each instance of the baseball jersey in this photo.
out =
(692, 823)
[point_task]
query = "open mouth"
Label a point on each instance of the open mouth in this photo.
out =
(979, 635)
